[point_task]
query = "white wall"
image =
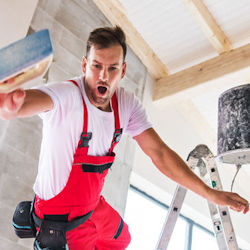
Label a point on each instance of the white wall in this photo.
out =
(69, 23)
(15, 19)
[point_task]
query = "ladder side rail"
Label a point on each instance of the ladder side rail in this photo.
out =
(172, 216)
(213, 209)
(174, 211)
(204, 154)
(202, 158)
(215, 181)
(217, 226)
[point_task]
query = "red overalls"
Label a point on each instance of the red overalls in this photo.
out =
(105, 228)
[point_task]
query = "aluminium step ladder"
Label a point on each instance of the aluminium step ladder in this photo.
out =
(202, 158)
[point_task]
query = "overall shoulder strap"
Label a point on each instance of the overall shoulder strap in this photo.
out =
(118, 129)
(85, 136)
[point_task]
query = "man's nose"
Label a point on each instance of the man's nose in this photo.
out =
(104, 74)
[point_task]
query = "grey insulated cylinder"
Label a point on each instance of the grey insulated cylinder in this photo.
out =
(234, 125)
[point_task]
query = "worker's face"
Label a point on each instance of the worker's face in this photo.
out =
(103, 69)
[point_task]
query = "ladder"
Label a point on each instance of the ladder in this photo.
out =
(202, 158)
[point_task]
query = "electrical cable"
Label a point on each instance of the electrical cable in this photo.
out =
(237, 171)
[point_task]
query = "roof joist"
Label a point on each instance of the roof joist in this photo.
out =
(223, 64)
(209, 26)
(228, 61)
(115, 13)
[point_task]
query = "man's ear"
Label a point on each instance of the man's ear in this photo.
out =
(124, 67)
(84, 64)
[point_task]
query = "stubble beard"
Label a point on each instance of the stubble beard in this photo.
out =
(96, 100)
(99, 100)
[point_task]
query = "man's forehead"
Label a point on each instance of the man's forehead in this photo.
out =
(98, 62)
(111, 46)
(111, 55)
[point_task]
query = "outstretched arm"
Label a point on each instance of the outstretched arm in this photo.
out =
(171, 165)
(21, 103)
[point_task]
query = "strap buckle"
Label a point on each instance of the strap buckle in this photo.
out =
(117, 135)
(85, 137)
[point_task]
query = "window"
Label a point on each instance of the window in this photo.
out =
(146, 216)
(200, 236)
(145, 219)
(178, 238)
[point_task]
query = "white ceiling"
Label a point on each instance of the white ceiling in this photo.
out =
(171, 32)
(177, 38)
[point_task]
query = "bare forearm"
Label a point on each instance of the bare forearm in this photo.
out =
(171, 165)
(35, 102)
(20, 103)
(176, 169)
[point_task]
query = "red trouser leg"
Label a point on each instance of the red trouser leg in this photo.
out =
(83, 237)
(99, 231)
(115, 244)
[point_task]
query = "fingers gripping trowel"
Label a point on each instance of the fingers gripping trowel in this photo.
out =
(25, 60)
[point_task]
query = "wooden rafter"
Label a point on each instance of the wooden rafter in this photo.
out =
(210, 27)
(115, 13)
(226, 63)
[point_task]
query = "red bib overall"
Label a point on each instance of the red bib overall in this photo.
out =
(105, 228)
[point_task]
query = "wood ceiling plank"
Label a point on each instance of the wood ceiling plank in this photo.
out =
(115, 13)
(209, 25)
(223, 64)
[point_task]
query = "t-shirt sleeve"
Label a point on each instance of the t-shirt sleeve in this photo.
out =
(63, 96)
(137, 117)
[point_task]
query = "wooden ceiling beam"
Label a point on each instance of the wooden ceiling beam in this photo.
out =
(115, 13)
(223, 64)
(208, 24)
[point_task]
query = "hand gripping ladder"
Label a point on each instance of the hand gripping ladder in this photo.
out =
(202, 158)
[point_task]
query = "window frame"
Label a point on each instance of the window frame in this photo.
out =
(190, 223)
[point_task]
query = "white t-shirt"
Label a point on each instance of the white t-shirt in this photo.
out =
(62, 127)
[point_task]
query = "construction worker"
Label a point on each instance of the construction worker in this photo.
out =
(83, 120)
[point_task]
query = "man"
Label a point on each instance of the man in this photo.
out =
(83, 120)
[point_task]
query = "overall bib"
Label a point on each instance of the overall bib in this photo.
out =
(105, 229)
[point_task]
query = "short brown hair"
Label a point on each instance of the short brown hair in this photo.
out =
(106, 37)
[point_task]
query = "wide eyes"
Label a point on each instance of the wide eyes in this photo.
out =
(98, 66)
(112, 68)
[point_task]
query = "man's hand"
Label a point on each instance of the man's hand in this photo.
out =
(233, 200)
(24, 103)
(11, 103)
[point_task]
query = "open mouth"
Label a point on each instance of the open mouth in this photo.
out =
(102, 90)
